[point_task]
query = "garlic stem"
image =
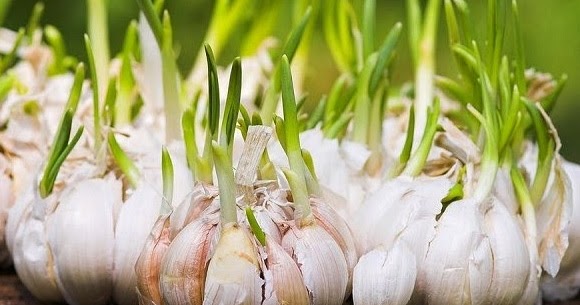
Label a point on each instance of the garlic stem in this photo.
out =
(189, 138)
(520, 65)
(425, 62)
(419, 157)
(123, 161)
(32, 25)
(168, 181)
(96, 102)
(99, 35)
(227, 187)
(302, 210)
(293, 149)
(232, 107)
(7, 60)
(126, 79)
(255, 226)
(368, 27)
(170, 85)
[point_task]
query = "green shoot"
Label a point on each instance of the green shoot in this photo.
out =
(293, 149)
(226, 184)
(170, 85)
(312, 184)
(99, 34)
(168, 175)
(7, 82)
(96, 102)
(423, 48)
(419, 156)
(385, 54)
(51, 172)
(62, 136)
(406, 152)
(338, 22)
(546, 152)
(8, 59)
(61, 62)
(368, 27)
(255, 226)
(126, 81)
(302, 211)
(123, 161)
(37, 12)
(110, 101)
(232, 105)
(281, 132)
(189, 137)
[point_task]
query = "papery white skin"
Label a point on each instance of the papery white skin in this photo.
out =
(233, 273)
(385, 276)
(457, 268)
(566, 284)
(81, 236)
(321, 261)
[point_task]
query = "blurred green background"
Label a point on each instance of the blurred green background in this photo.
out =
(551, 31)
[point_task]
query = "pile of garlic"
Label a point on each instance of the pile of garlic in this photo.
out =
(142, 187)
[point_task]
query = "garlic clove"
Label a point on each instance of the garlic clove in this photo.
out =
(81, 236)
(321, 261)
(31, 255)
(285, 277)
(183, 268)
(385, 276)
(330, 221)
(136, 219)
(511, 263)
(233, 273)
(457, 268)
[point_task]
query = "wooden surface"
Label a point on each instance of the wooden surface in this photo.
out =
(12, 292)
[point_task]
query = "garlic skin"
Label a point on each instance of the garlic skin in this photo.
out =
(148, 265)
(82, 239)
(458, 264)
(385, 276)
(233, 273)
(321, 262)
(566, 284)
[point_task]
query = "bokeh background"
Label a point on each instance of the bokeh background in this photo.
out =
(551, 32)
